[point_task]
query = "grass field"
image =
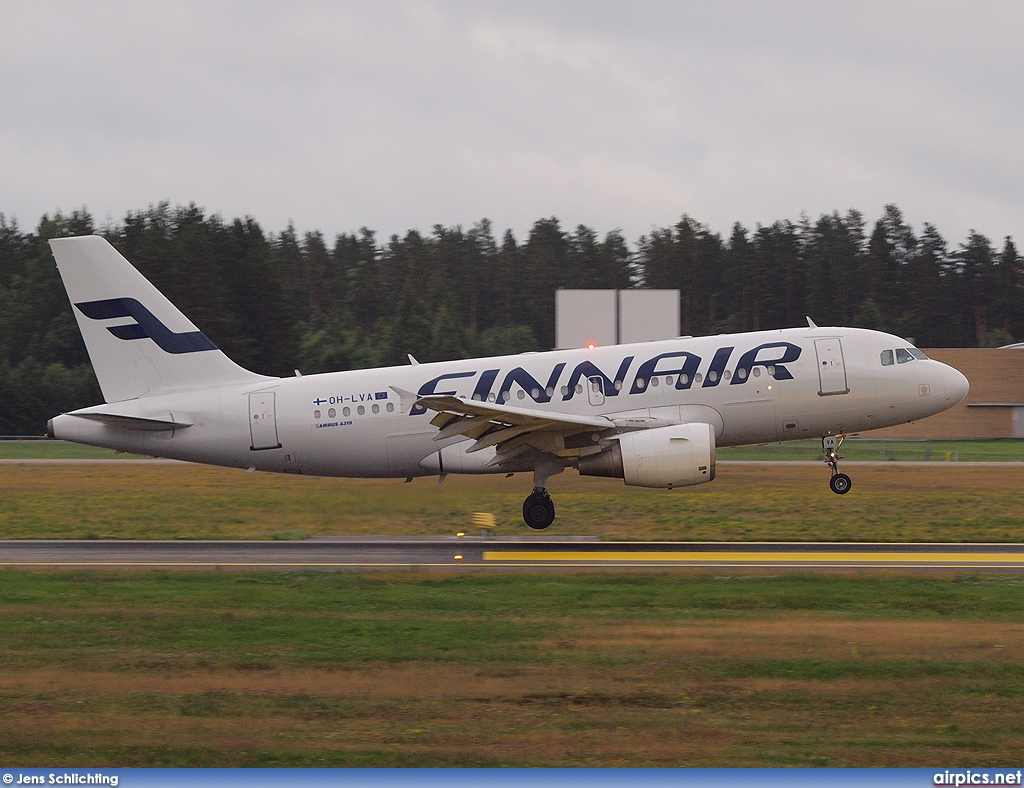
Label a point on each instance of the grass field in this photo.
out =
(418, 669)
(927, 502)
(55, 450)
(1001, 450)
(319, 669)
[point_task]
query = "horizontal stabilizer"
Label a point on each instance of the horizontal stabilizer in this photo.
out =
(134, 422)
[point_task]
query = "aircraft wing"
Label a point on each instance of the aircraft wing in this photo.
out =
(513, 431)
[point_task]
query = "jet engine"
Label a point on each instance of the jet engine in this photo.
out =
(678, 456)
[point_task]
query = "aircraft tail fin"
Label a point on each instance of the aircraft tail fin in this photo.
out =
(139, 342)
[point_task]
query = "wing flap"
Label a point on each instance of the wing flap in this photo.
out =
(490, 424)
(460, 425)
(506, 414)
(500, 435)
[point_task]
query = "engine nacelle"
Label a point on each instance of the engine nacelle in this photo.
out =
(678, 456)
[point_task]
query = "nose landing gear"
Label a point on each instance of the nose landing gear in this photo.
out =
(839, 483)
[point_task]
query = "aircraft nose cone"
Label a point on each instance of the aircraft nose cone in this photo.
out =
(956, 384)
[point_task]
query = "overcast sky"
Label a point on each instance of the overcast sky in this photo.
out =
(398, 115)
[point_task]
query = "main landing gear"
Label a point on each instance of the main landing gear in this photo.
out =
(538, 508)
(839, 483)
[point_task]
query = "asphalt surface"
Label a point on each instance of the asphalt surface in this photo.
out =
(535, 552)
(819, 463)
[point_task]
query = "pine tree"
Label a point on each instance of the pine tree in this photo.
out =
(1008, 299)
(976, 268)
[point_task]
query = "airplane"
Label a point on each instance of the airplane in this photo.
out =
(650, 413)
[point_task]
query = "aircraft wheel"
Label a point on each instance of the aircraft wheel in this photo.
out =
(840, 483)
(538, 510)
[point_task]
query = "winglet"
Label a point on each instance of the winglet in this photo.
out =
(406, 398)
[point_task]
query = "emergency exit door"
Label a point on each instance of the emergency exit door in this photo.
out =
(831, 368)
(263, 421)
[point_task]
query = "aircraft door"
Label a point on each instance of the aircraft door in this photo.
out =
(263, 421)
(595, 390)
(831, 368)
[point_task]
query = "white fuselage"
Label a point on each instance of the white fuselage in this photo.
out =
(752, 388)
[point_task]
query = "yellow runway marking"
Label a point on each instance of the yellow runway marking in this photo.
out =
(613, 559)
(752, 557)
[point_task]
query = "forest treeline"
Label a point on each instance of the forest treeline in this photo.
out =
(277, 302)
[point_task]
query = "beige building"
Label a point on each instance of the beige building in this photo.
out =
(994, 408)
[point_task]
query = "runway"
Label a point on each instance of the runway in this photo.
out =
(807, 463)
(531, 552)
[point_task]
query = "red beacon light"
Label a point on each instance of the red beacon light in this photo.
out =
(590, 346)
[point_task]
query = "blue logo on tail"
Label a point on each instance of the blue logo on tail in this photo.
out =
(146, 325)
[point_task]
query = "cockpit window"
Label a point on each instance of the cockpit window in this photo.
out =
(917, 354)
(903, 355)
(886, 358)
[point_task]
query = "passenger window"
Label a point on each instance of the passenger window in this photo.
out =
(886, 358)
(903, 355)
